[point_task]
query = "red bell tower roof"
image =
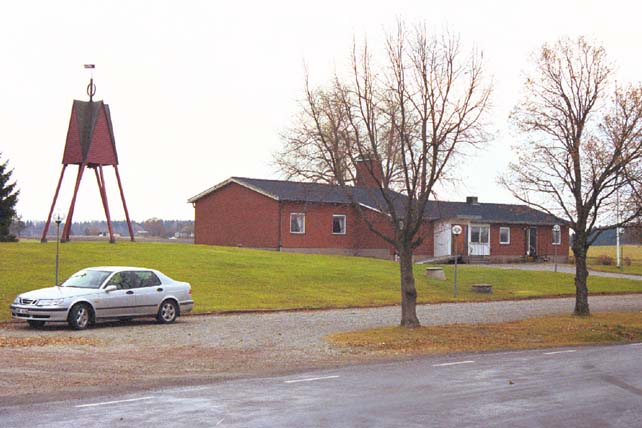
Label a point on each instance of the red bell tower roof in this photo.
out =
(90, 138)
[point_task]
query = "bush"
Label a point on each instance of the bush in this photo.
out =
(605, 260)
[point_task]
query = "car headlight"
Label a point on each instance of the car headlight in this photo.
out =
(16, 301)
(50, 302)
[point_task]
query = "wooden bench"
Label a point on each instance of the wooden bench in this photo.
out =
(482, 288)
(435, 273)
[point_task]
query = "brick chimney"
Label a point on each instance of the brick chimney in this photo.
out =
(472, 200)
(369, 173)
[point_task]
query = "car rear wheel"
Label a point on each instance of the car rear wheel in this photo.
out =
(80, 316)
(167, 312)
(35, 324)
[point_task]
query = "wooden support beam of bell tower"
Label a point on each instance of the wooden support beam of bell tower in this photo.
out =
(53, 205)
(100, 178)
(70, 215)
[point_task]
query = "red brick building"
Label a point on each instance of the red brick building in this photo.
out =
(319, 218)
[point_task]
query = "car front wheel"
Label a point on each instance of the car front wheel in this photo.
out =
(167, 312)
(79, 316)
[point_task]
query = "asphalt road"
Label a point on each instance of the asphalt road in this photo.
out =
(572, 387)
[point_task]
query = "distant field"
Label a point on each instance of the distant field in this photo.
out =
(225, 279)
(630, 252)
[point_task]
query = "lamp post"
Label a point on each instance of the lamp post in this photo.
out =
(619, 231)
(58, 219)
(456, 231)
(556, 230)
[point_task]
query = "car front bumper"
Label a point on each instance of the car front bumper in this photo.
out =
(36, 313)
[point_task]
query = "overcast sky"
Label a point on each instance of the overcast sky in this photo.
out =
(200, 90)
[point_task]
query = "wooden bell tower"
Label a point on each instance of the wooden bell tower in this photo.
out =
(90, 145)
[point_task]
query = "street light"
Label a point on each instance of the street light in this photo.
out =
(556, 230)
(456, 231)
(618, 233)
(58, 219)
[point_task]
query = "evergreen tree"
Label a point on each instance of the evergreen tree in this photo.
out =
(8, 200)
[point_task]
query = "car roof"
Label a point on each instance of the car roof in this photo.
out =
(118, 268)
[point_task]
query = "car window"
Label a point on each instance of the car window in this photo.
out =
(86, 279)
(125, 280)
(148, 279)
(114, 280)
(130, 279)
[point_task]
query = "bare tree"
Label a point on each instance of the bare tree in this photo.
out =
(405, 119)
(583, 160)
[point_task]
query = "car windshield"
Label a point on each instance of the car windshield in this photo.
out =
(86, 279)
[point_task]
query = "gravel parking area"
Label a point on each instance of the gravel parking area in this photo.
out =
(202, 348)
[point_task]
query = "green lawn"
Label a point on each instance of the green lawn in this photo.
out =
(225, 279)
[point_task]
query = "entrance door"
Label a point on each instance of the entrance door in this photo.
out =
(479, 240)
(531, 241)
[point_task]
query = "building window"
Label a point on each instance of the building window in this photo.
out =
(479, 235)
(557, 237)
(338, 224)
(297, 223)
(504, 235)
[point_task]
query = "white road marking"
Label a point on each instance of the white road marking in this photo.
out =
(194, 389)
(636, 344)
(106, 403)
(310, 379)
(560, 352)
(219, 422)
(453, 364)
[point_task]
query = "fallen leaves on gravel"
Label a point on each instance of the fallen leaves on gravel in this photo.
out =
(24, 342)
(540, 332)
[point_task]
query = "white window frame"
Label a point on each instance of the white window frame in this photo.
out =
(297, 232)
(479, 227)
(345, 224)
(500, 235)
(559, 237)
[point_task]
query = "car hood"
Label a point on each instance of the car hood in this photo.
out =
(58, 292)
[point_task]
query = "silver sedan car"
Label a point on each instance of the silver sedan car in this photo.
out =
(101, 293)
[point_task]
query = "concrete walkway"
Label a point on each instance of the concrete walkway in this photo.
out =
(564, 268)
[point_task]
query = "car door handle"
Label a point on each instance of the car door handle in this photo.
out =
(130, 292)
(159, 289)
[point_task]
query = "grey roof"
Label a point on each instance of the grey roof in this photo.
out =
(489, 213)
(319, 192)
(371, 198)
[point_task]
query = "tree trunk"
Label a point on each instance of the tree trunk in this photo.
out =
(581, 276)
(408, 291)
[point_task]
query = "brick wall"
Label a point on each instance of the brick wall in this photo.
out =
(234, 215)
(318, 226)
(358, 238)
(517, 245)
(545, 245)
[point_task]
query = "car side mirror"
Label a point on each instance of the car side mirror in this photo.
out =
(110, 288)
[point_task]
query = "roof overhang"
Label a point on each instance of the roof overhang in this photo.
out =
(479, 219)
(368, 207)
(231, 180)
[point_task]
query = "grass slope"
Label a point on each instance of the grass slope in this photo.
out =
(225, 279)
